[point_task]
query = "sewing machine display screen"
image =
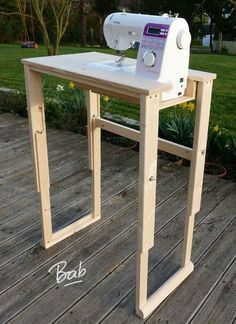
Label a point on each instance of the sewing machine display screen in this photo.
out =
(154, 31)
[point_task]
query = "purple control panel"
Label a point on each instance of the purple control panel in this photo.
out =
(156, 30)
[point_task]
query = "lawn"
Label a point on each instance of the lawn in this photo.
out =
(223, 111)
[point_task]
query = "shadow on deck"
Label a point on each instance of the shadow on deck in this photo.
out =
(30, 294)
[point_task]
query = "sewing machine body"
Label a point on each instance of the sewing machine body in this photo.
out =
(163, 53)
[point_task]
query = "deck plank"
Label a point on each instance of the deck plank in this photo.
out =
(120, 248)
(182, 303)
(125, 219)
(17, 158)
(220, 305)
(107, 248)
(67, 197)
(122, 280)
(21, 183)
(119, 202)
(14, 204)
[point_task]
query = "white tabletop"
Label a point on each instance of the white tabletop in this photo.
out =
(83, 68)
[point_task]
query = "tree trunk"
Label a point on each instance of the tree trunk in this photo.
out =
(83, 25)
(220, 42)
(47, 41)
(102, 42)
(211, 32)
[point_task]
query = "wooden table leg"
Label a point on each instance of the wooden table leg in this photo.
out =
(149, 112)
(94, 149)
(204, 91)
(37, 127)
(147, 192)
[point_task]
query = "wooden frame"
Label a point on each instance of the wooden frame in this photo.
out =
(145, 306)
(40, 158)
(148, 94)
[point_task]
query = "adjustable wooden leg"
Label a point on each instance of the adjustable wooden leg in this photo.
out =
(94, 142)
(149, 117)
(149, 111)
(204, 91)
(39, 148)
(40, 159)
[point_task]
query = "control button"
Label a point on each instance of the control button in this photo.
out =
(149, 58)
(183, 39)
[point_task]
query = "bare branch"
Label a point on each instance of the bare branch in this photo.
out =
(15, 13)
(42, 5)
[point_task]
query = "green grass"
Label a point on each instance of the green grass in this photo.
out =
(223, 109)
(224, 90)
(11, 69)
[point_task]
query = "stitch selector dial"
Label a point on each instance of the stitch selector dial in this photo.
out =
(149, 58)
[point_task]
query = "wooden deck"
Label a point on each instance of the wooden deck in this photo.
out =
(30, 294)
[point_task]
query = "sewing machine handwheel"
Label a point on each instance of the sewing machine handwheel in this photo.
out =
(149, 58)
(183, 39)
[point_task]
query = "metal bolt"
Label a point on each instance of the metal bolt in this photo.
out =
(152, 178)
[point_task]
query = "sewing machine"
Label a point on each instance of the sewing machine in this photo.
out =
(163, 53)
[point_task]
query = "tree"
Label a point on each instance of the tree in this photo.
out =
(83, 12)
(52, 17)
(104, 8)
(54, 23)
(10, 24)
(185, 8)
(220, 12)
(134, 5)
(233, 2)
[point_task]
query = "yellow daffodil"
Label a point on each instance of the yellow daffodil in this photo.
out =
(191, 106)
(71, 85)
(184, 105)
(216, 129)
(105, 98)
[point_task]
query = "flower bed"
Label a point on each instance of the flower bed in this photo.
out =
(66, 109)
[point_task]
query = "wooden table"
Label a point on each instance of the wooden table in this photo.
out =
(148, 93)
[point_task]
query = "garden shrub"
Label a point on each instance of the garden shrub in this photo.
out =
(177, 125)
(65, 108)
(13, 101)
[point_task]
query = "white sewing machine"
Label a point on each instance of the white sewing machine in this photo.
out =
(164, 48)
